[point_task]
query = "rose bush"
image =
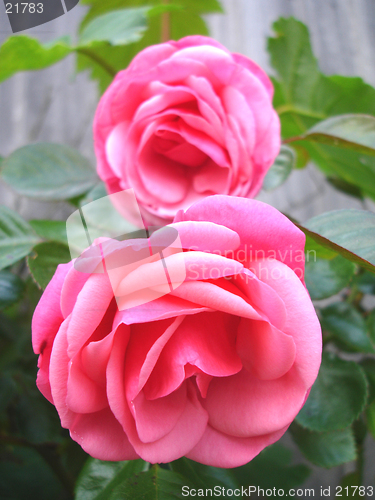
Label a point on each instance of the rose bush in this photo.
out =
(185, 120)
(215, 371)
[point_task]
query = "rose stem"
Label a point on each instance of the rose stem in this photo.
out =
(165, 25)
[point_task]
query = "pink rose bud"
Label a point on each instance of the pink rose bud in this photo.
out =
(214, 368)
(185, 120)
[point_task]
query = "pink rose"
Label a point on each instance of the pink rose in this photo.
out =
(186, 120)
(216, 370)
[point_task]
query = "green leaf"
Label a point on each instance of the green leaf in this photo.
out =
(325, 278)
(325, 449)
(370, 323)
(35, 418)
(46, 258)
(155, 484)
(365, 282)
(202, 6)
(16, 237)
(352, 167)
(337, 397)
(281, 169)
(302, 155)
(347, 131)
(25, 474)
(304, 96)
(350, 233)
(184, 21)
(98, 7)
(11, 289)
(22, 53)
(368, 366)
(370, 418)
(345, 187)
(345, 323)
(8, 389)
(118, 27)
(48, 172)
(99, 478)
(272, 468)
(204, 476)
(313, 250)
(53, 230)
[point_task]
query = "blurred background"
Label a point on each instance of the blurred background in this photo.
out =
(57, 104)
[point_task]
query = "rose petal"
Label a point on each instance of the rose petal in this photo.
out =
(248, 218)
(220, 450)
(90, 307)
(206, 236)
(154, 419)
(114, 148)
(262, 296)
(211, 179)
(58, 375)
(102, 437)
(209, 295)
(244, 406)
(73, 284)
(161, 308)
(182, 438)
(83, 394)
(48, 317)
(95, 356)
(201, 340)
(264, 350)
(162, 177)
(256, 70)
(302, 322)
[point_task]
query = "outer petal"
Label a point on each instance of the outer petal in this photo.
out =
(46, 322)
(102, 437)
(48, 316)
(261, 228)
(220, 450)
(255, 70)
(59, 372)
(73, 284)
(244, 406)
(302, 322)
(90, 307)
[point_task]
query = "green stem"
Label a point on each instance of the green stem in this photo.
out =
(165, 25)
(360, 463)
(99, 60)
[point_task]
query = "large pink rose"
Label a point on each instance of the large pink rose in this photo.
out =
(186, 120)
(215, 370)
